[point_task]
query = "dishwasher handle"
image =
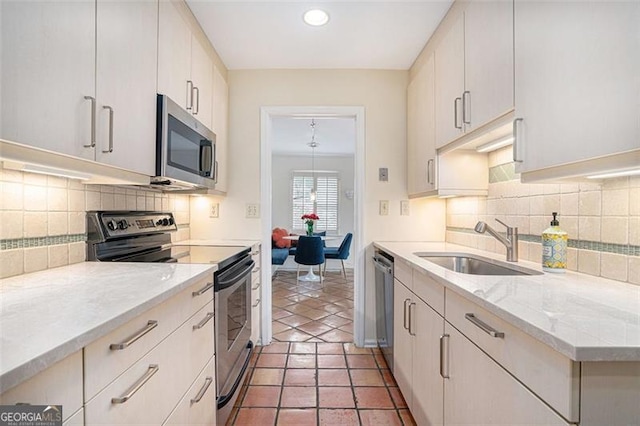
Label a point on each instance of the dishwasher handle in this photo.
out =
(382, 266)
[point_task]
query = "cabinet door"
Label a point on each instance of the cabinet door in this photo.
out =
(47, 68)
(576, 80)
(198, 405)
(421, 148)
(450, 84)
(479, 391)
(220, 123)
(126, 82)
(202, 77)
(402, 342)
(174, 54)
(428, 389)
(488, 50)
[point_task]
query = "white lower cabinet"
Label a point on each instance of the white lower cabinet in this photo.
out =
(198, 405)
(479, 391)
(76, 419)
(417, 330)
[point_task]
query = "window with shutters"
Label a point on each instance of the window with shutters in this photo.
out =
(325, 205)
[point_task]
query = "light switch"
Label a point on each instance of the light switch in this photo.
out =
(253, 211)
(383, 174)
(384, 207)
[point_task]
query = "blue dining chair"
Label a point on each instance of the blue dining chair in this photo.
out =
(309, 251)
(341, 252)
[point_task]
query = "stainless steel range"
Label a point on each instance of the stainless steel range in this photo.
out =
(124, 236)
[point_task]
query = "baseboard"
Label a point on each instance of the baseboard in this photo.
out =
(371, 343)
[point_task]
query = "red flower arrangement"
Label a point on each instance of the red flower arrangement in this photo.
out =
(309, 219)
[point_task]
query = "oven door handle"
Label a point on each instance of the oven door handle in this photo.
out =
(225, 281)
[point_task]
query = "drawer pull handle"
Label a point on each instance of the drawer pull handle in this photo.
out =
(132, 339)
(253, 253)
(484, 326)
(256, 304)
(203, 390)
(411, 318)
(256, 269)
(153, 369)
(203, 290)
(204, 321)
(442, 351)
(256, 287)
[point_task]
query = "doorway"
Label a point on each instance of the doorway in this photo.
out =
(270, 117)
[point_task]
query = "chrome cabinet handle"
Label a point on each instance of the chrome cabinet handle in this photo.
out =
(189, 95)
(203, 390)
(255, 305)
(442, 356)
(92, 143)
(256, 269)
(253, 253)
(197, 108)
(256, 287)
(516, 154)
(203, 290)
(107, 151)
(484, 326)
(465, 94)
(153, 369)
(133, 338)
(455, 113)
(204, 321)
(404, 314)
(430, 171)
(411, 320)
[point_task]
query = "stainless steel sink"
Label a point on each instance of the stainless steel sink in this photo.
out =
(475, 265)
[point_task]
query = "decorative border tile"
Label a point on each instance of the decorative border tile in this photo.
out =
(625, 249)
(41, 241)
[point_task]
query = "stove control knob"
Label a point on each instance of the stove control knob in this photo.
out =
(171, 221)
(159, 222)
(165, 222)
(112, 225)
(123, 224)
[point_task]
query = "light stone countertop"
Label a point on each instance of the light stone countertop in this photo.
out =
(47, 315)
(219, 242)
(585, 318)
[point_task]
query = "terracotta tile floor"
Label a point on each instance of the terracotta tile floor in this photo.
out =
(312, 373)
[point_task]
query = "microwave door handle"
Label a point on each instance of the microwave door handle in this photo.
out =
(205, 158)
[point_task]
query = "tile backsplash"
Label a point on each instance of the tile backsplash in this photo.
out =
(42, 218)
(602, 219)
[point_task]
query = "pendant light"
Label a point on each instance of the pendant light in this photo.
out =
(313, 144)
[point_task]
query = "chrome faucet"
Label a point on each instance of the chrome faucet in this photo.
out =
(511, 242)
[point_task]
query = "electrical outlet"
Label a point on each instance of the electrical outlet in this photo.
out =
(214, 210)
(404, 208)
(253, 211)
(383, 174)
(384, 207)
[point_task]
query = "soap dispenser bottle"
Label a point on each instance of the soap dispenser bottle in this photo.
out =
(554, 247)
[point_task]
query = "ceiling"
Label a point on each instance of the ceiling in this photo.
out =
(335, 136)
(360, 34)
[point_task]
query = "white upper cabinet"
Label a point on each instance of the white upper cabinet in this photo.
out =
(488, 51)
(220, 122)
(185, 70)
(577, 84)
(474, 70)
(126, 84)
(174, 55)
(47, 69)
(421, 147)
(450, 84)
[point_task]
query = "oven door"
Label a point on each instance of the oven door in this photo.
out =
(233, 328)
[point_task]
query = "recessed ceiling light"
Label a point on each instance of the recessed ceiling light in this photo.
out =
(316, 17)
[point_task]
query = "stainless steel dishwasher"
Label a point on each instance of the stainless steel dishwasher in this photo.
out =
(383, 264)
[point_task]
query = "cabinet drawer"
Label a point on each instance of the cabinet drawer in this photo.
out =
(198, 405)
(201, 345)
(103, 364)
(552, 376)
(161, 377)
(429, 290)
(76, 419)
(402, 272)
(60, 384)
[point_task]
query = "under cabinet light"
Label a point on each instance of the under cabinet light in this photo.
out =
(493, 145)
(44, 170)
(447, 196)
(622, 173)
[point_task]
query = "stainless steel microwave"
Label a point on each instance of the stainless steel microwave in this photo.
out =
(185, 150)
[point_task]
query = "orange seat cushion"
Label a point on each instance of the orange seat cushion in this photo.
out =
(277, 235)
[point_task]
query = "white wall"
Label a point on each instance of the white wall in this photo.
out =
(383, 95)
